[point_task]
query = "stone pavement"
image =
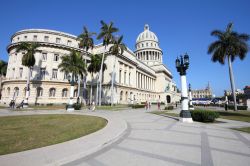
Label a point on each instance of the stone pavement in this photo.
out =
(158, 141)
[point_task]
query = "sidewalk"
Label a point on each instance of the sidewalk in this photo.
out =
(144, 139)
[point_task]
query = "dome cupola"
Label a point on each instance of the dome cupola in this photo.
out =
(147, 47)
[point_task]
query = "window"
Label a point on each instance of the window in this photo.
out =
(31, 72)
(121, 95)
(142, 45)
(58, 40)
(35, 37)
(151, 44)
(16, 91)
(39, 92)
(120, 76)
(129, 78)
(146, 44)
(46, 38)
(44, 56)
(125, 74)
(64, 92)
(25, 37)
(52, 92)
(8, 91)
(13, 72)
(42, 73)
(54, 73)
(18, 38)
(75, 93)
(56, 57)
(20, 72)
(65, 76)
(69, 43)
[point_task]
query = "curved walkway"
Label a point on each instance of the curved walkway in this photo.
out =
(157, 140)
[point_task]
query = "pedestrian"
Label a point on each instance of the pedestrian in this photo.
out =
(226, 103)
(176, 104)
(93, 106)
(159, 105)
(146, 105)
(149, 105)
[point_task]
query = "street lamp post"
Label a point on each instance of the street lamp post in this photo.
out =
(72, 79)
(191, 107)
(181, 66)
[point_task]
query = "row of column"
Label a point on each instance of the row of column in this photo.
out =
(149, 55)
(144, 82)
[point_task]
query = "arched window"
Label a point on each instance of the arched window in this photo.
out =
(121, 95)
(64, 92)
(16, 91)
(52, 92)
(8, 91)
(168, 99)
(126, 96)
(75, 92)
(39, 92)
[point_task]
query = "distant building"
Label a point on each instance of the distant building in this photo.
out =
(203, 93)
(247, 91)
(247, 95)
(237, 92)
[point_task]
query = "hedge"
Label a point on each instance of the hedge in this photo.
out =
(204, 115)
(169, 107)
(239, 107)
(138, 106)
(76, 106)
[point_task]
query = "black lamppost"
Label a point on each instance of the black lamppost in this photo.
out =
(191, 107)
(72, 80)
(181, 66)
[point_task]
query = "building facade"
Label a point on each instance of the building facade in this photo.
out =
(139, 76)
(203, 93)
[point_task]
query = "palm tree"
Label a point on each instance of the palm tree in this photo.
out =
(74, 65)
(116, 49)
(106, 35)
(94, 67)
(230, 45)
(29, 61)
(86, 43)
(3, 70)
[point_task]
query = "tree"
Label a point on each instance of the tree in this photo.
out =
(3, 70)
(73, 64)
(230, 45)
(116, 49)
(29, 61)
(94, 67)
(86, 43)
(106, 35)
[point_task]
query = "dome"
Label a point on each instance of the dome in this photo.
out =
(146, 35)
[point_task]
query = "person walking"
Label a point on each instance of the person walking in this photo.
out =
(159, 105)
(146, 105)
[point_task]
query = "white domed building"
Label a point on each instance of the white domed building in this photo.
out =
(139, 76)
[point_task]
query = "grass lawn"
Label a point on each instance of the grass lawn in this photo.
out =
(238, 115)
(244, 129)
(19, 133)
(114, 108)
(165, 113)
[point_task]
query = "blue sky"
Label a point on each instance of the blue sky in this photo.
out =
(181, 26)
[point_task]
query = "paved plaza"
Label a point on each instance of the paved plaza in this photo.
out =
(136, 137)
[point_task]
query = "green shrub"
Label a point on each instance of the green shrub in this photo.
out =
(76, 106)
(169, 107)
(138, 106)
(204, 115)
(239, 107)
(50, 104)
